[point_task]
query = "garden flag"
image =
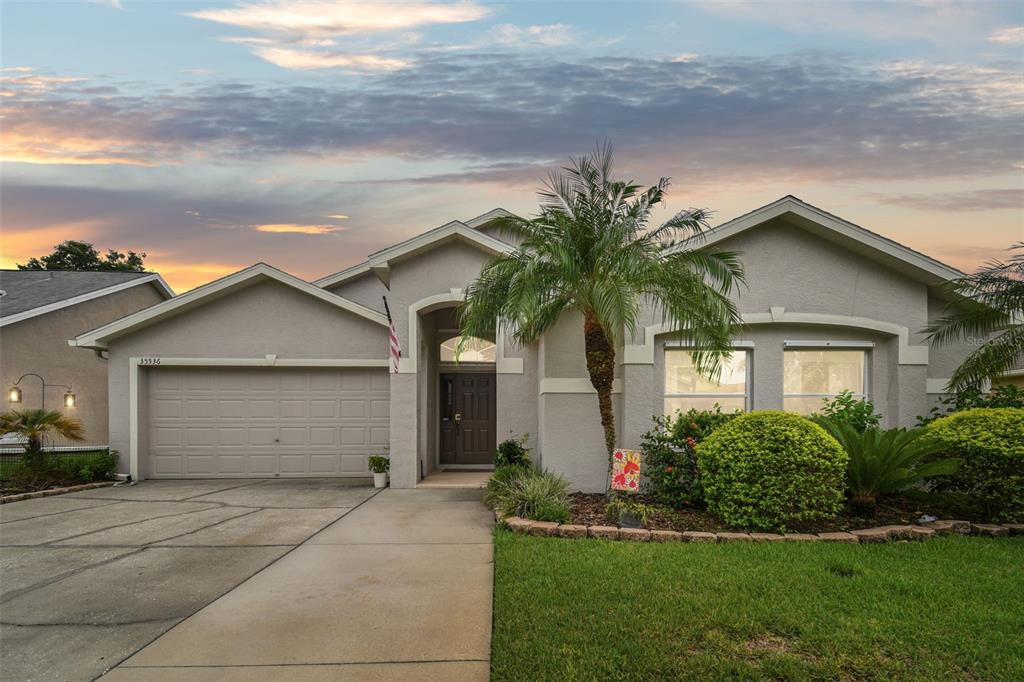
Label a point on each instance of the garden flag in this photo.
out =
(626, 470)
(396, 349)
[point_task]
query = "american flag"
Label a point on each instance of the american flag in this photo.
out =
(396, 348)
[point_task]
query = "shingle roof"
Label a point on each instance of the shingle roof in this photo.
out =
(30, 289)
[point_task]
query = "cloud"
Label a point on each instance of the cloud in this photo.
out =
(293, 228)
(323, 19)
(288, 29)
(495, 116)
(966, 202)
(1010, 35)
(549, 35)
(305, 60)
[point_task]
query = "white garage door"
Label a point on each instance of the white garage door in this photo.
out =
(255, 422)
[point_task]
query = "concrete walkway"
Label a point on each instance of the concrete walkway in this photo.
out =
(273, 580)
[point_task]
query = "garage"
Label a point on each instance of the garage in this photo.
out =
(258, 422)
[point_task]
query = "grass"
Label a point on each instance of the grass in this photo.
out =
(9, 461)
(950, 608)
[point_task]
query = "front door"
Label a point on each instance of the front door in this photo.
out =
(468, 419)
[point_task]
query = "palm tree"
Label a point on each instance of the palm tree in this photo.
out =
(990, 304)
(589, 250)
(38, 425)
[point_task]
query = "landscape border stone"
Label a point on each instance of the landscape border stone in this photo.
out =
(877, 534)
(19, 497)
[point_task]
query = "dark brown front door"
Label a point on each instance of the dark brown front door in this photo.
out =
(468, 418)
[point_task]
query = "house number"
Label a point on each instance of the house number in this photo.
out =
(150, 361)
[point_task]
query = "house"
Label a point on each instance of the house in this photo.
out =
(39, 311)
(263, 374)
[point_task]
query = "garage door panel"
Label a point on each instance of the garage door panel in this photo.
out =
(231, 409)
(263, 409)
(238, 422)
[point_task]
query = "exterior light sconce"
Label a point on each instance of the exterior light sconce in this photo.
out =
(15, 395)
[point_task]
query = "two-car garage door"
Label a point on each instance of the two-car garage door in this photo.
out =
(263, 422)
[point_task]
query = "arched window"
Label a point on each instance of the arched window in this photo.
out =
(474, 350)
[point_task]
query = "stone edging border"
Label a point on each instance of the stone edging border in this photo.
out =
(863, 536)
(54, 491)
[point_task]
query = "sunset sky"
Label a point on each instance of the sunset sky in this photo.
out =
(307, 135)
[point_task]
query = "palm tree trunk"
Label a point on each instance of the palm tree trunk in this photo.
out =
(601, 367)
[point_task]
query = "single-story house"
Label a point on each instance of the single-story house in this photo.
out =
(263, 374)
(39, 311)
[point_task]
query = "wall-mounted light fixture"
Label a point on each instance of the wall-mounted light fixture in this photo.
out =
(15, 395)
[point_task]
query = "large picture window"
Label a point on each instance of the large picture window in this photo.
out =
(811, 375)
(685, 388)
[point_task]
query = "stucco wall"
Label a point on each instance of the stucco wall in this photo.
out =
(266, 317)
(366, 290)
(40, 345)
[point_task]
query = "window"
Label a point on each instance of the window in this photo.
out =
(685, 388)
(813, 374)
(474, 350)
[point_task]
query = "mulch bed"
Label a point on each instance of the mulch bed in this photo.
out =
(588, 509)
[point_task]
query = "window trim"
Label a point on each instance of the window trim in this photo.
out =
(864, 346)
(745, 347)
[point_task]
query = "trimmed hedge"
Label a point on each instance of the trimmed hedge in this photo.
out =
(990, 445)
(767, 469)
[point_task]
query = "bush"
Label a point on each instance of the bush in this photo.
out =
(670, 456)
(766, 469)
(971, 398)
(378, 464)
(845, 409)
(886, 461)
(42, 469)
(529, 493)
(990, 444)
(620, 506)
(512, 452)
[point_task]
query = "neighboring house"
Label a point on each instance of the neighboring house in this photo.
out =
(263, 374)
(40, 310)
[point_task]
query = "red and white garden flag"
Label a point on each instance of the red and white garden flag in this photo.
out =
(395, 347)
(626, 470)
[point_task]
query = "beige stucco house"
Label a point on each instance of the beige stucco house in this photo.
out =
(39, 311)
(263, 374)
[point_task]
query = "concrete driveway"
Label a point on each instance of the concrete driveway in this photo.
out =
(220, 580)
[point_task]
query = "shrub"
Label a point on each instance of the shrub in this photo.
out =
(512, 452)
(43, 469)
(378, 464)
(670, 457)
(990, 443)
(845, 409)
(971, 398)
(529, 492)
(620, 506)
(886, 461)
(766, 469)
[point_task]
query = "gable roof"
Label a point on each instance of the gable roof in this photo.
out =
(98, 338)
(493, 214)
(30, 293)
(380, 262)
(834, 228)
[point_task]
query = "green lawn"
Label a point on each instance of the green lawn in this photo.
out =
(949, 608)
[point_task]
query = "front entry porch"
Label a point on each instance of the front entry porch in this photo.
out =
(456, 479)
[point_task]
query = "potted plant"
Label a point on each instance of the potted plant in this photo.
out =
(379, 465)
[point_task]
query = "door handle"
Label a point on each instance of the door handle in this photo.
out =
(458, 417)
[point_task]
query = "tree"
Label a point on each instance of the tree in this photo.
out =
(82, 256)
(989, 305)
(589, 250)
(36, 426)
